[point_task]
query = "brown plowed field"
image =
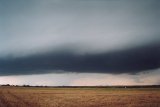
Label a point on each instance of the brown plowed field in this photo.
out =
(79, 97)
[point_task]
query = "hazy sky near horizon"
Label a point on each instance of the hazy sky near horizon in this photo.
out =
(80, 39)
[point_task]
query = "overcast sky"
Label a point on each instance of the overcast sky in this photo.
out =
(92, 40)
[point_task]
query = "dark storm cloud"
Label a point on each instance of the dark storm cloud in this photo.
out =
(107, 36)
(127, 61)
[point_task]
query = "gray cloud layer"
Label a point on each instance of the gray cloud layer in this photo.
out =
(126, 61)
(37, 36)
(33, 26)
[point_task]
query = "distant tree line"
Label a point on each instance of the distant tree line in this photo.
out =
(133, 86)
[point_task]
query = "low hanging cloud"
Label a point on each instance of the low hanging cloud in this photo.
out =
(125, 61)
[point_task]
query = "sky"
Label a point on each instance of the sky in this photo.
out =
(80, 42)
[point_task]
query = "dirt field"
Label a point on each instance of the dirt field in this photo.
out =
(78, 97)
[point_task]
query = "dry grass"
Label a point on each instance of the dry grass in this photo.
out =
(78, 97)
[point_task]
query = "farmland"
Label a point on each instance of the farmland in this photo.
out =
(79, 97)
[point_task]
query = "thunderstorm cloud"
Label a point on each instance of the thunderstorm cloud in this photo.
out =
(79, 36)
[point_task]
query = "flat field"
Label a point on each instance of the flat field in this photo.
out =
(79, 97)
